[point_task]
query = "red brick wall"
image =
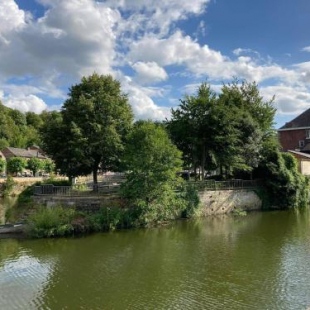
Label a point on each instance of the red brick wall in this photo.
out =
(289, 139)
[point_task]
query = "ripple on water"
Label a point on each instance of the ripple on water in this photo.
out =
(22, 280)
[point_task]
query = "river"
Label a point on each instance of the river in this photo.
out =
(260, 261)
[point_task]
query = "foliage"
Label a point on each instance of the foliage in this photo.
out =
(48, 166)
(89, 132)
(50, 222)
(225, 132)
(152, 162)
(8, 186)
(152, 186)
(55, 182)
(110, 218)
(15, 131)
(191, 127)
(286, 187)
(16, 165)
(191, 198)
(2, 165)
(34, 164)
(239, 212)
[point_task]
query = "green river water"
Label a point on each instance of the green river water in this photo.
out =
(260, 261)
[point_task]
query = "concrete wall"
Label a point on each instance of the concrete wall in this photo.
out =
(305, 167)
(221, 202)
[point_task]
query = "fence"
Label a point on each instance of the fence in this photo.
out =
(226, 185)
(50, 189)
(110, 189)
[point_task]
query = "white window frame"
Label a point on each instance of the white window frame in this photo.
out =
(307, 133)
(301, 143)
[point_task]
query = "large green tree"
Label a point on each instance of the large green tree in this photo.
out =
(190, 127)
(252, 117)
(152, 163)
(227, 131)
(91, 127)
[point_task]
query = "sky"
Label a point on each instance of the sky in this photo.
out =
(159, 50)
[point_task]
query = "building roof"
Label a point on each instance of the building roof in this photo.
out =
(28, 153)
(305, 155)
(301, 121)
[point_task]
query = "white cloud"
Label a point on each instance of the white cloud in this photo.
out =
(77, 37)
(142, 104)
(288, 100)
(306, 49)
(181, 50)
(11, 18)
(149, 72)
(24, 103)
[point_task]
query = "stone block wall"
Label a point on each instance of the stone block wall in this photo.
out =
(225, 201)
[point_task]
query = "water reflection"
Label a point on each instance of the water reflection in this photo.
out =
(254, 262)
(23, 277)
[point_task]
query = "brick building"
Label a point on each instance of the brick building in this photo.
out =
(295, 135)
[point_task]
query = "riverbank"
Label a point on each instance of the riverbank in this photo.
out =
(52, 216)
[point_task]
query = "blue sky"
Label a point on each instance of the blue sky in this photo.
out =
(158, 50)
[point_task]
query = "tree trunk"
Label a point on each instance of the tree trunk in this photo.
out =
(95, 177)
(203, 161)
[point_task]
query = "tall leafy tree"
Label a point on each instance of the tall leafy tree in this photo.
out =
(252, 118)
(152, 162)
(190, 127)
(93, 123)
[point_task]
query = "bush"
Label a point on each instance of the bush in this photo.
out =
(8, 186)
(111, 218)
(285, 186)
(51, 222)
(191, 198)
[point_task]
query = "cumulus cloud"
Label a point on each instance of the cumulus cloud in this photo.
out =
(288, 100)
(149, 72)
(28, 103)
(78, 37)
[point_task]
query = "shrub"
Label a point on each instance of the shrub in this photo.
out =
(51, 222)
(8, 186)
(191, 198)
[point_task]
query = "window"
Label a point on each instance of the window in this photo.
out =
(301, 143)
(308, 134)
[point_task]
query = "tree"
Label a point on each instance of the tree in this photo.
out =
(34, 120)
(48, 166)
(253, 118)
(16, 165)
(190, 127)
(34, 164)
(227, 131)
(89, 133)
(2, 165)
(152, 162)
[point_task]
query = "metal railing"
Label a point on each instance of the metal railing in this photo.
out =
(110, 189)
(226, 185)
(52, 190)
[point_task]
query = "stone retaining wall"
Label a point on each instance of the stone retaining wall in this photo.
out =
(86, 204)
(212, 202)
(225, 201)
